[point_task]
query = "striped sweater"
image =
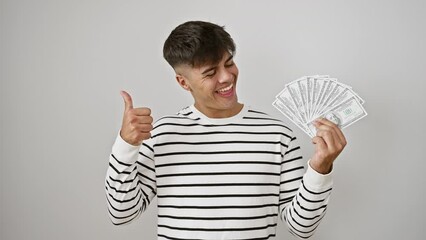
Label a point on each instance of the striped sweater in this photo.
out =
(228, 178)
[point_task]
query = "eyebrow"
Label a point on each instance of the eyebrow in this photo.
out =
(209, 69)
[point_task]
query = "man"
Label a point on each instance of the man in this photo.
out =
(220, 169)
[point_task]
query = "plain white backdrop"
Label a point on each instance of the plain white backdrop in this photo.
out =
(63, 64)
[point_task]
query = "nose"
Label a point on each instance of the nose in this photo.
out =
(225, 75)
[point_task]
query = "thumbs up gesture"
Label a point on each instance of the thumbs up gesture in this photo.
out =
(137, 122)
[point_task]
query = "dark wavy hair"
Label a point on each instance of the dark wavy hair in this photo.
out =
(197, 43)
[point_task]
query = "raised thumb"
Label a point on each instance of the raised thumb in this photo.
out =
(128, 102)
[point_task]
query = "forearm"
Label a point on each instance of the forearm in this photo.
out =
(308, 207)
(122, 192)
(125, 193)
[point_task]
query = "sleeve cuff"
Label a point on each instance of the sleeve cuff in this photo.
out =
(124, 151)
(317, 181)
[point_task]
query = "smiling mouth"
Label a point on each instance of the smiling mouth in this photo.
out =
(225, 90)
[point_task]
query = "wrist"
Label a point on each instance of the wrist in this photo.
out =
(129, 141)
(323, 168)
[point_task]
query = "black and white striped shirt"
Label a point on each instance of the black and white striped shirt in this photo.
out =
(228, 178)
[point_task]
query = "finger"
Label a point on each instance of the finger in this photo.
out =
(145, 135)
(329, 136)
(139, 120)
(141, 111)
(141, 127)
(325, 121)
(320, 144)
(341, 136)
(337, 130)
(145, 128)
(145, 120)
(327, 128)
(128, 102)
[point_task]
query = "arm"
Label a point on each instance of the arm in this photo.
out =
(130, 182)
(304, 197)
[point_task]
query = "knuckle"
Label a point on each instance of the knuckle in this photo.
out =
(327, 133)
(133, 119)
(146, 135)
(146, 128)
(131, 111)
(144, 111)
(325, 127)
(140, 137)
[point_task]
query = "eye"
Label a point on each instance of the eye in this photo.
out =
(210, 74)
(230, 64)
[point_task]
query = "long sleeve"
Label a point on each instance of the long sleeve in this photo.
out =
(130, 182)
(303, 195)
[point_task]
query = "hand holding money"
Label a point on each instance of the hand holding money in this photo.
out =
(137, 122)
(329, 143)
(308, 98)
(321, 106)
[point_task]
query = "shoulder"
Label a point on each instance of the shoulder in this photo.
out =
(184, 117)
(261, 116)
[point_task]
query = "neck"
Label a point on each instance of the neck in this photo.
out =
(219, 113)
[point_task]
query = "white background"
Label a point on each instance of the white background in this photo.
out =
(63, 64)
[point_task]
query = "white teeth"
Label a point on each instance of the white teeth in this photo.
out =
(226, 89)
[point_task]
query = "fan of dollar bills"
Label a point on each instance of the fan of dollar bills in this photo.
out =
(310, 97)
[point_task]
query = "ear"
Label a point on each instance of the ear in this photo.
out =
(182, 82)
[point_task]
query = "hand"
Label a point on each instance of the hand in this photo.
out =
(137, 122)
(329, 143)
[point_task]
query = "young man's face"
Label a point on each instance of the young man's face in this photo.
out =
(212, 86)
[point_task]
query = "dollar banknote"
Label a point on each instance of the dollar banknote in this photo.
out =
(308, 98)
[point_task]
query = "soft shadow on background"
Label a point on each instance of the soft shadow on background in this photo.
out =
(63, 64)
